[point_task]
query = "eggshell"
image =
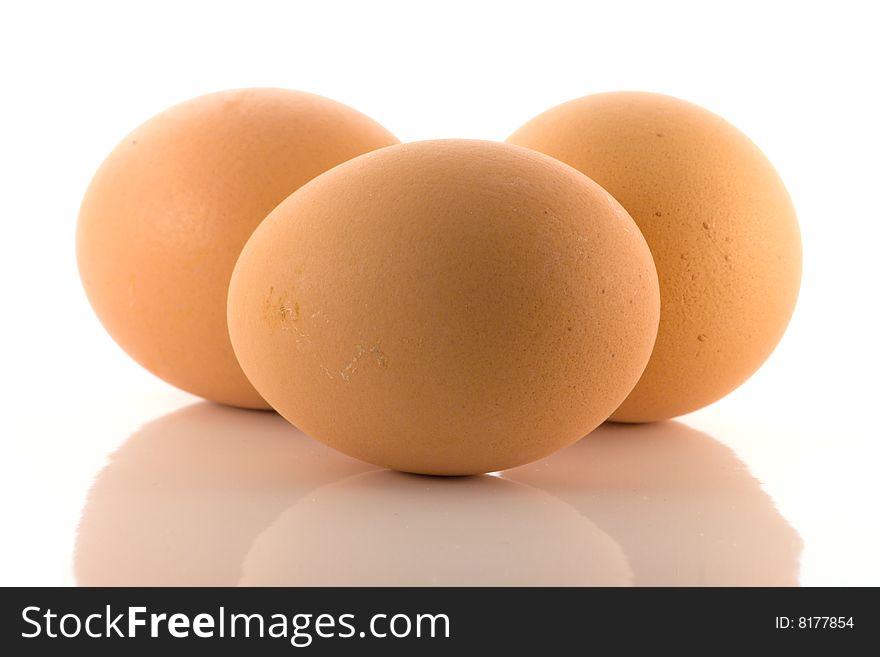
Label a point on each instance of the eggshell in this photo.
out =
(720, 225)
(167, 213)
(446, 307)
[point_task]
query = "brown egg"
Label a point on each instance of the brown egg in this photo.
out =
(446, 307)
(720, 225)
(167, 213)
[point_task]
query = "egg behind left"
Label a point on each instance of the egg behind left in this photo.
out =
(168, 212)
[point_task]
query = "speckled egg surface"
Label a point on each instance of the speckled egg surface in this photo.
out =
(446, 307)
(720, 225)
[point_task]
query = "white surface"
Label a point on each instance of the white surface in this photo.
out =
(799, 79)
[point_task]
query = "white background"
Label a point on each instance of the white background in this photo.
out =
(799, 78)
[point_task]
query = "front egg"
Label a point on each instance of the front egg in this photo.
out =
(446, 307)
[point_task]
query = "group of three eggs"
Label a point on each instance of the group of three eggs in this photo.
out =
(442, 307)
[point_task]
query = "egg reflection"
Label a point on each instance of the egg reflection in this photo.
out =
(390, 529)
(180, 501)
(683, 507)
(210, 495)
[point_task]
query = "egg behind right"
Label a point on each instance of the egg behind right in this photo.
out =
(720, 225)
